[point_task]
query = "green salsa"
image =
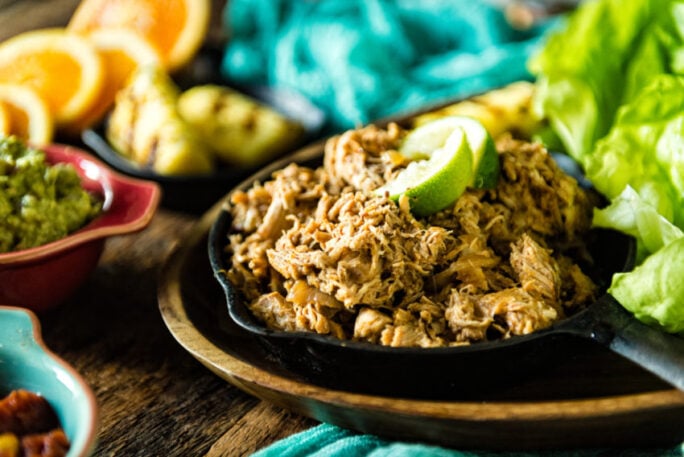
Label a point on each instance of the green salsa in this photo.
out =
(39, 202)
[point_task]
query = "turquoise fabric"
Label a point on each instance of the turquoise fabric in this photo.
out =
(360, 60)
(330, 441)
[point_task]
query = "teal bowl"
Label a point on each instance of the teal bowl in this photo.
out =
(26, 363)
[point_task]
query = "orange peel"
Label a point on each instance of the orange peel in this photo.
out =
(176, 28)
(28, 115)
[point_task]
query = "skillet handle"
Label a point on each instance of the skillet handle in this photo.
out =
(658, 352)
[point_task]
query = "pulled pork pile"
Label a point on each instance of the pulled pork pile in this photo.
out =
(316, 250)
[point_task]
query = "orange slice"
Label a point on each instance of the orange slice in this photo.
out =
(64, 69)
(176, 28)
(4, 119)
(122, 51)
(28, 114)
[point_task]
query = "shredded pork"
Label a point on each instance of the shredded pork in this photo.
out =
(316, 250)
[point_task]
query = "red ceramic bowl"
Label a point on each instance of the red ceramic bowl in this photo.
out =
(43, 277)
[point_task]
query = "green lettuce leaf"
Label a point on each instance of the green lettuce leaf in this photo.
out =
(645, 149)
(653, 291)
(606, 52)
(630, 214)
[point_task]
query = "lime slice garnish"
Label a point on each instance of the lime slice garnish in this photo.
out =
(433, 134)
(433, 184)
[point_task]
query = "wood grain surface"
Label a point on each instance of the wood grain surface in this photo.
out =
(154, 398)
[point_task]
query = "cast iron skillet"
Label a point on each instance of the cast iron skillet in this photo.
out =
(446, 372)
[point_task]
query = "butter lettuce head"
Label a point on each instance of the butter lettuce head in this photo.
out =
(611, 84)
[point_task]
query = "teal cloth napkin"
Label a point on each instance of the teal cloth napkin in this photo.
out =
(360, 60)
(330, 441)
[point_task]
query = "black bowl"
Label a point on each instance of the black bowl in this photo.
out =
(445, 372)
(196, 193)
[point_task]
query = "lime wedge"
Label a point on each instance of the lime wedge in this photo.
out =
(433, 184)
(433, 134)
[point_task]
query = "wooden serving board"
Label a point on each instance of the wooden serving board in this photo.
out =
(593, 398)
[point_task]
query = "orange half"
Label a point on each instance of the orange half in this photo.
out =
(64, 69)
(176, 28)
(28, 115)
(122, 51)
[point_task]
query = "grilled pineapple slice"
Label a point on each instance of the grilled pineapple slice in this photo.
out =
(145, 127)
(508, 109)
(240, 130)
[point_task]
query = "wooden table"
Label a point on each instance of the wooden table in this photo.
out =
(154, 398)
